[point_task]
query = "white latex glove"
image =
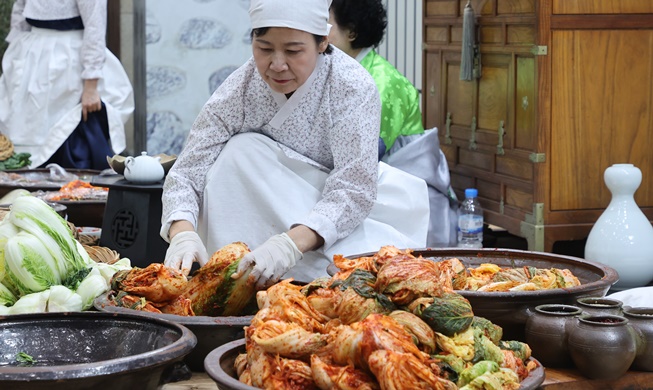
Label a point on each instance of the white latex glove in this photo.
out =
(270, 260)
(185, 248)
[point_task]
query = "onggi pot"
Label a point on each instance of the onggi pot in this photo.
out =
(642, 319)
(600, 306)
(602, 346)
(546, 333)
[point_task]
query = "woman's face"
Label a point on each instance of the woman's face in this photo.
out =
(286, 57)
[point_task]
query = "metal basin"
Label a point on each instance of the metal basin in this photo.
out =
(510, 310)
(89, 350)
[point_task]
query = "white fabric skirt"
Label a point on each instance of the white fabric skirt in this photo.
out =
(423, 158)
(254, 191)
(41, 89)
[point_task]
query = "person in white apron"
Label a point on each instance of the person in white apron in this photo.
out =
(283, 157)
(358, 28)
(64, 97)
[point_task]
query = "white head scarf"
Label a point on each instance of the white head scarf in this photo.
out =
(305, 15)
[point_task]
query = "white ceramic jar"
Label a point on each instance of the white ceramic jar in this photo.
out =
(622, 237)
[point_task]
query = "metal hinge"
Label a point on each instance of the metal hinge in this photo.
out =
(532, 228)
(537, 157)
(539, 50)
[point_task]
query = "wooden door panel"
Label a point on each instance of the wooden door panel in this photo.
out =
(518, 198)
(494, 90)
(475, 159)
(458, 95)
(441, 8)
(437, 34)
(489, 194)
(431, 92)
(520, 34)
(491, 35)
(512, 7)
(514, 167)
(525, 104)
(602, 6)
(602, 94)
(460, 182)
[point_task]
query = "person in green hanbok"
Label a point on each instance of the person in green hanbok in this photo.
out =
(358, 26)
(357, 29)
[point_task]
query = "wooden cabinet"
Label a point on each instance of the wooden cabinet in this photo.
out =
(565, 90)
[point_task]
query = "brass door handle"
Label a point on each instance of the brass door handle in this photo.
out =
(472, 140)
(447, 134)
(502, 132)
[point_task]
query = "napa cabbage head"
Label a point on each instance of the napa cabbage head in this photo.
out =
(30, 266)
(7, 297)
(7, 230)
(63, 299)
(33, 215)
(91, 287)
(31, 303)
(108, 270)
(478, 369)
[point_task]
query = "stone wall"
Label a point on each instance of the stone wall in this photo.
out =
(191, 47)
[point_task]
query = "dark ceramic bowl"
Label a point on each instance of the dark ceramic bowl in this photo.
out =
(219, 365)
(510, 310)
(211, 332)
(89, 350)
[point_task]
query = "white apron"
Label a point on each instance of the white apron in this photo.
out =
(40, 111)
(421, 156)
(254, 190)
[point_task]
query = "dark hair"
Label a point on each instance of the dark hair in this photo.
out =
(366, 19)
(259, 32)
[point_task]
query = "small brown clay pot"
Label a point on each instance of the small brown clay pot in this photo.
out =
(642, 319)
(603, 346)
(600, 306)
(546, 333)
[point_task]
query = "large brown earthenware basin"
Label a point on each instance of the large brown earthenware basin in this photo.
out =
(219, 365)
(510, 310)
(211, 332)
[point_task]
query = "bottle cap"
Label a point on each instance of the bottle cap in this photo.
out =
(471, 193)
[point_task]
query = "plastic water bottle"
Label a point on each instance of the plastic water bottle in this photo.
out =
(470, 221)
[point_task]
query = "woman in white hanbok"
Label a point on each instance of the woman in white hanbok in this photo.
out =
(283, 157)
(64, 97)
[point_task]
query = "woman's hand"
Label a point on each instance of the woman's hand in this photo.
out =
(277, 256)
(90, 98)
(185, 248)
(271, 260)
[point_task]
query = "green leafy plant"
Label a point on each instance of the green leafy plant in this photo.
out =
(16, 161)
(24, 359)
(449, 314)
